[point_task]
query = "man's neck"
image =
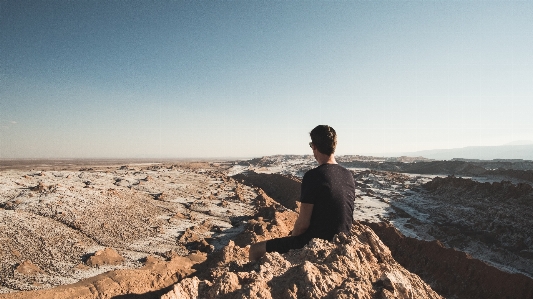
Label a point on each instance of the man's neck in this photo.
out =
(325, 159)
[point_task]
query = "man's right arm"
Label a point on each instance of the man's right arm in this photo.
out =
(304, 219)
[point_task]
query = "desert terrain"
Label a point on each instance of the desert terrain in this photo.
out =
(139, 229)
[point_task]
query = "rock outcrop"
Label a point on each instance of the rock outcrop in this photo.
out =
(504, 190)
(359, 266)
(498, 214)
(356, 266)
(450, 272)
(28, 268)
(107, 256)
(284, 189)
(149, 280)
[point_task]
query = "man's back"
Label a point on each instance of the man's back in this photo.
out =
(331, 189)
(328, 194)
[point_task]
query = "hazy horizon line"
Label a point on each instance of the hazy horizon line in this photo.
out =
(228, 158)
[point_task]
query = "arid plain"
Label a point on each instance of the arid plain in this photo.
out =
(105, 229)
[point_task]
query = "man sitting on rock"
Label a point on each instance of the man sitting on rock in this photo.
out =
(327, 199)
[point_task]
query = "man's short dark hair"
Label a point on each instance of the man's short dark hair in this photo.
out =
(324, 138)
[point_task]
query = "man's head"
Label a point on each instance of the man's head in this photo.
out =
(324, 139)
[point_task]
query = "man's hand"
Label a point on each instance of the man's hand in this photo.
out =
(256, 251)
(303, 220)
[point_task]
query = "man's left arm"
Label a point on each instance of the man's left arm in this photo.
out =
(304, 219)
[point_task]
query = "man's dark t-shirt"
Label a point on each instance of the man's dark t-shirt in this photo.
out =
(331, 190)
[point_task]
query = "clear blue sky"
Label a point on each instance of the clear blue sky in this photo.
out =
(142, 79)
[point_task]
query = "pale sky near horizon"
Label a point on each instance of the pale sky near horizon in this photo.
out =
(177, 79)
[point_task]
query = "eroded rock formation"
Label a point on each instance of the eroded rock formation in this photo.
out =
(497, 214)
(107, 256)
(358, 266)
(283, 188)
(450, 272)
(149, 280)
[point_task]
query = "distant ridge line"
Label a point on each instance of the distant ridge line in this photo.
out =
(507, 152)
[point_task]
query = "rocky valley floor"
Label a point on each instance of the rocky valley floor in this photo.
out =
(180, 230)
(53, 223)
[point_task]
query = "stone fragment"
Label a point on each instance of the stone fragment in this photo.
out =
(28, 268)
(107, 256)
(39, 187)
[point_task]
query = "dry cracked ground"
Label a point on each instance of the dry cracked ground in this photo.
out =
(55, 224)
(180, 230)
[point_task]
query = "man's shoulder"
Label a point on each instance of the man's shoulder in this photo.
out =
(331, 167)
(310, 173)
(326, 170)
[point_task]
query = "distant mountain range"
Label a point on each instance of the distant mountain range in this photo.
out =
(514, 150)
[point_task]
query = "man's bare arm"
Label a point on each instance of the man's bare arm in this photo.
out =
(303, 220)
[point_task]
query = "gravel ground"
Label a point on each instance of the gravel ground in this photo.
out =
(53, 220)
